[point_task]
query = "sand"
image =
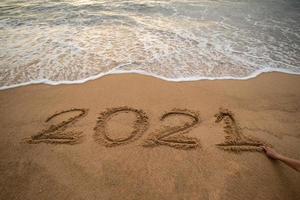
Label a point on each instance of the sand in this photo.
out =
(138, 137)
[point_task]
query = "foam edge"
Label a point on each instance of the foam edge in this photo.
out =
(183, 79)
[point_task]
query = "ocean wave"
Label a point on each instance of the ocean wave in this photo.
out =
(57, 42)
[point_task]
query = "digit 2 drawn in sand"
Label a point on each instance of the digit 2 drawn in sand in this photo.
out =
(235, 140)
(141, 124)
(55, 133)
(173, 136)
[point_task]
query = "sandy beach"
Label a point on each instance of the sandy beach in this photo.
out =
(138, 137)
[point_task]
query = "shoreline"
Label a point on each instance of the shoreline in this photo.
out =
(143, 73)
(107, 139)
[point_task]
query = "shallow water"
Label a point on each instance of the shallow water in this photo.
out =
(73, 41)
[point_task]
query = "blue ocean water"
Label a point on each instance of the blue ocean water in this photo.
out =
(63, 41)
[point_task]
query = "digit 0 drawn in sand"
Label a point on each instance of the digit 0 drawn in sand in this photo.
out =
(174, 136)
(235, 140)
(55, 133)
(141, 124)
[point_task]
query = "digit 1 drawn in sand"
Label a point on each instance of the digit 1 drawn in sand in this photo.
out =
(235, 140)
(55, 133)
(141, 124)
(174, 136)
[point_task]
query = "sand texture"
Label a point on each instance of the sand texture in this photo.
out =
(137, 137)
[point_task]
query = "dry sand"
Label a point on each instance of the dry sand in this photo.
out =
(138, 137)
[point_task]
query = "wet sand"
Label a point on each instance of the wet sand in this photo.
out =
(138, 137)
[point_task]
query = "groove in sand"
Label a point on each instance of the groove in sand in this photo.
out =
(235, 140)
(141, 124)
(55, 133)
(166, 135)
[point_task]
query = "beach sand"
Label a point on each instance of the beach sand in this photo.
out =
(138, 137)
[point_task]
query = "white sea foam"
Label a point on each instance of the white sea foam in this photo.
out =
(70, 42)
(49, 82)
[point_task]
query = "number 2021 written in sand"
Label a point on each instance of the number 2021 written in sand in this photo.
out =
(172, 136)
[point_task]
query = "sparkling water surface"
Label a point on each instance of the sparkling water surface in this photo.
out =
(73, 41)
